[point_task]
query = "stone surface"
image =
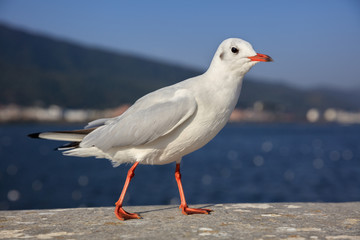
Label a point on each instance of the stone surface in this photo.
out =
(228, 221)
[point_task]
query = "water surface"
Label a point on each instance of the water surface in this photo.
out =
(244, 163)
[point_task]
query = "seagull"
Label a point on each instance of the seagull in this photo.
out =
(169, 123)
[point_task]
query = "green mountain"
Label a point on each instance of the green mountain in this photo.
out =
(36, 69)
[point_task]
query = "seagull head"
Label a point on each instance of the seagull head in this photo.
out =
(238, 56)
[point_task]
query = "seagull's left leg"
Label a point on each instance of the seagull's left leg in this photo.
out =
(185, 209)
(119, 211)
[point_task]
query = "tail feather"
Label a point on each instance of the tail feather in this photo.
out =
(34, 135)
(71, 136)
(68, 146)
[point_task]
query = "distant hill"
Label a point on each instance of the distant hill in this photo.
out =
(284, 98)
(36, 69)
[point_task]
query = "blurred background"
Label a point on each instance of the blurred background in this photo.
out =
(294, 135)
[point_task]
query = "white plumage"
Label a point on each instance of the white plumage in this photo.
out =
(167, 124)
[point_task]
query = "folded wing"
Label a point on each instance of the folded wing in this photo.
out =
(151, 117)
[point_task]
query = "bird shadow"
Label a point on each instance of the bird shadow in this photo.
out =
(163, 208)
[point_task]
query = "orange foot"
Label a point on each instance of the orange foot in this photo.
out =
(187, 211)
(123, 215)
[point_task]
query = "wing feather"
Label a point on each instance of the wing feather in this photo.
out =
(151, 117)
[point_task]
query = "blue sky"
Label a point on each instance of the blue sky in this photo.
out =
(313, 42)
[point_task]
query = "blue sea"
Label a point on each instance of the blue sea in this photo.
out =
(245, 163)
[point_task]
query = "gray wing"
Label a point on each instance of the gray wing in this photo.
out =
(151, 117)
(97, 122)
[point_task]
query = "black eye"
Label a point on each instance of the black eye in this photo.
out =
(234, 50)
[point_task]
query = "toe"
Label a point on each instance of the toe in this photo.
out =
(188, 211)
(122, 215)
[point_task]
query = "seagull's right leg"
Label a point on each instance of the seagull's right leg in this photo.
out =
(185, 209)
(120, 213)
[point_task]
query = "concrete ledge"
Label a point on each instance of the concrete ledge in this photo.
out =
(228, 221)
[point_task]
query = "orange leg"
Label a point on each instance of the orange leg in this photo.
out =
(185, 209)
(119, 211)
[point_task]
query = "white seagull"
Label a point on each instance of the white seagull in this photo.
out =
(167, 124)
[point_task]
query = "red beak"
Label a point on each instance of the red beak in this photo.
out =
(261, 58)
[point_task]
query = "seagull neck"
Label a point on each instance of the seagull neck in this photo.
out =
(222, 77)
(227, 86)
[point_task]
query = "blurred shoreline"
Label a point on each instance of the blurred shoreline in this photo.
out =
(55, 114)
